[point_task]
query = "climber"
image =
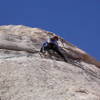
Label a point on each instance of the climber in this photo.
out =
(53, 45)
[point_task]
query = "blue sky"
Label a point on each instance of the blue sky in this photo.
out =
(77, 21)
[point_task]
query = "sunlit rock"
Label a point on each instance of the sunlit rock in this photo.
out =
(26, 74)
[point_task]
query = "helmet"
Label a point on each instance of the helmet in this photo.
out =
(56, 38)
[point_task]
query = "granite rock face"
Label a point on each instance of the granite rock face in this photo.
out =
(26, 74)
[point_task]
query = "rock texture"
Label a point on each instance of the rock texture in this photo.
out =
(26, 74)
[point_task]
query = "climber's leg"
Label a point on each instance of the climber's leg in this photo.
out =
(55, 48)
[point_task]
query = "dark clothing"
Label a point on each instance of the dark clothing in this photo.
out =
(54, 48)
(52, 45)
